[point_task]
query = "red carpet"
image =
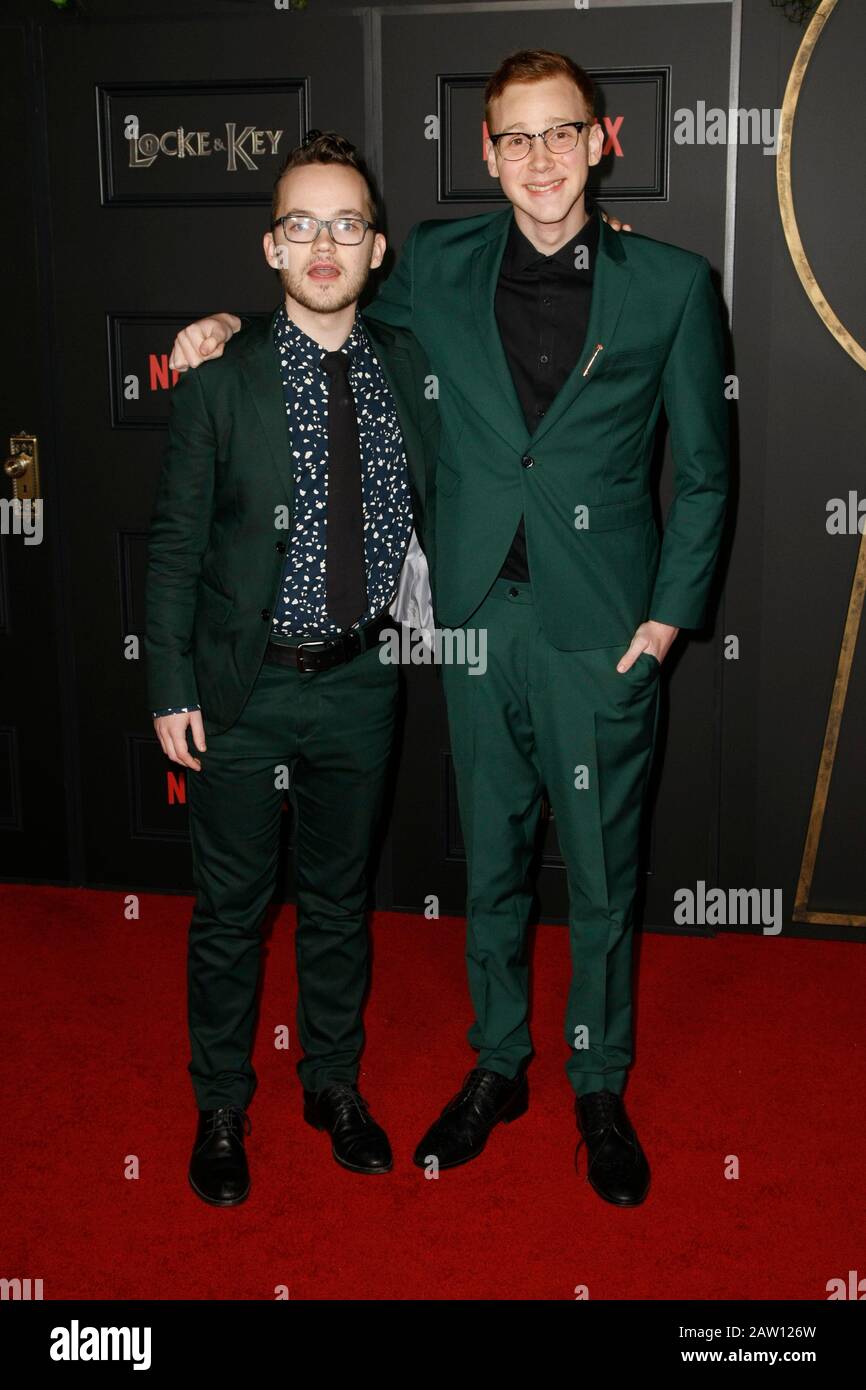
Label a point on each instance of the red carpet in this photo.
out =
(747, 1046)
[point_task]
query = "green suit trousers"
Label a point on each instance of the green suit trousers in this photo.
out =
(332, 730)
(567, 721)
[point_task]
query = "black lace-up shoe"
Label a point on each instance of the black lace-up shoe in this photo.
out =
(218, 1171)
(616, 1165)
(486, 1098)
(357, 1142)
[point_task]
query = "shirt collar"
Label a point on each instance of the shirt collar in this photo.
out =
(299, 347)
(520, 254)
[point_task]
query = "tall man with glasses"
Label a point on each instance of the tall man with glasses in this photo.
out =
(556, 344)
(283, 543)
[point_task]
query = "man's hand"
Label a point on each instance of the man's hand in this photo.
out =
(655, 638)
(202, 341)
(171, 732)
(615, 224)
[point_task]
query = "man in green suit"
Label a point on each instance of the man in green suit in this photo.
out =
(556, 345)
(285, 540)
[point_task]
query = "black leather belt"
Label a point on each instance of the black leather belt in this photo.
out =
(321, 656)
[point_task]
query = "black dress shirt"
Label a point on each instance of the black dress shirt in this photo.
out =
(542, 310)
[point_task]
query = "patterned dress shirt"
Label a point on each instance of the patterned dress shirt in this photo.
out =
(301, 610)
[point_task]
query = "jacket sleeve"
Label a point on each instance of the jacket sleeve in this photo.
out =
(697, 411)
(395, 302)
(179, 534)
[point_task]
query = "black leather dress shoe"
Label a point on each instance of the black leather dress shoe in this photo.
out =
(218, 1171)
(616, 1166)
(358, 1143)
(486, 1098)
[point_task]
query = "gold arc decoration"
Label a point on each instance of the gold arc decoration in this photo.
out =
(786, 198)
(802, 912)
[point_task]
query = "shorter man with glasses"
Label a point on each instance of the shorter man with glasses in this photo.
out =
(283, 543)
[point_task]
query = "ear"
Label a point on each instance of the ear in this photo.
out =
(596, 142)
(271, 250)
(490, 156)
(379, 247)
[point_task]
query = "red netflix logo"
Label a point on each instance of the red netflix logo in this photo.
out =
(175, 788)
(157, 363)
(612, 125)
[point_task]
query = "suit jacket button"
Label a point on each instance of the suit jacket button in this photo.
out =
(527, 461)
(281, 547)
(265, 615)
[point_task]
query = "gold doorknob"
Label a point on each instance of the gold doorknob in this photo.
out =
(22, 466)
(17, 464)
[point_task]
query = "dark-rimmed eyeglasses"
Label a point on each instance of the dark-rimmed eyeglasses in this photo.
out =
(559, 139)
(345, 231)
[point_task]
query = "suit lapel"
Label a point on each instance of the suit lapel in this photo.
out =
(260, 367)
(499, 405)
(397, 369)
(610, 284)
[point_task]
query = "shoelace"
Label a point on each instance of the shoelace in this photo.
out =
(477, 1086)
(603, 1112)
(226, 1117)
(345, 1097)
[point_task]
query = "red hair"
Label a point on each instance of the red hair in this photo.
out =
(532, 65)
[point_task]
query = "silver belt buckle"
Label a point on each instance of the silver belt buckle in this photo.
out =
(302, 648)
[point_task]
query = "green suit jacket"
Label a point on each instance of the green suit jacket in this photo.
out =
(220, 522)
(582, 479)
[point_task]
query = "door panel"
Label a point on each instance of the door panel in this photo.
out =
(34, 778)
(161, 171)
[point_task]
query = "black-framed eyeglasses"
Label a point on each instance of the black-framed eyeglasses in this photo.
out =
(559, 139)
(345, 231)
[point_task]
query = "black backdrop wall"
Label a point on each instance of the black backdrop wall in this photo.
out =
(139, 150)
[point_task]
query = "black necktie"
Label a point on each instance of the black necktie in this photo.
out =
(345, 570)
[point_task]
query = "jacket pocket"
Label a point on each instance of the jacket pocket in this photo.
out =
(633, 357)
(616, 516)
